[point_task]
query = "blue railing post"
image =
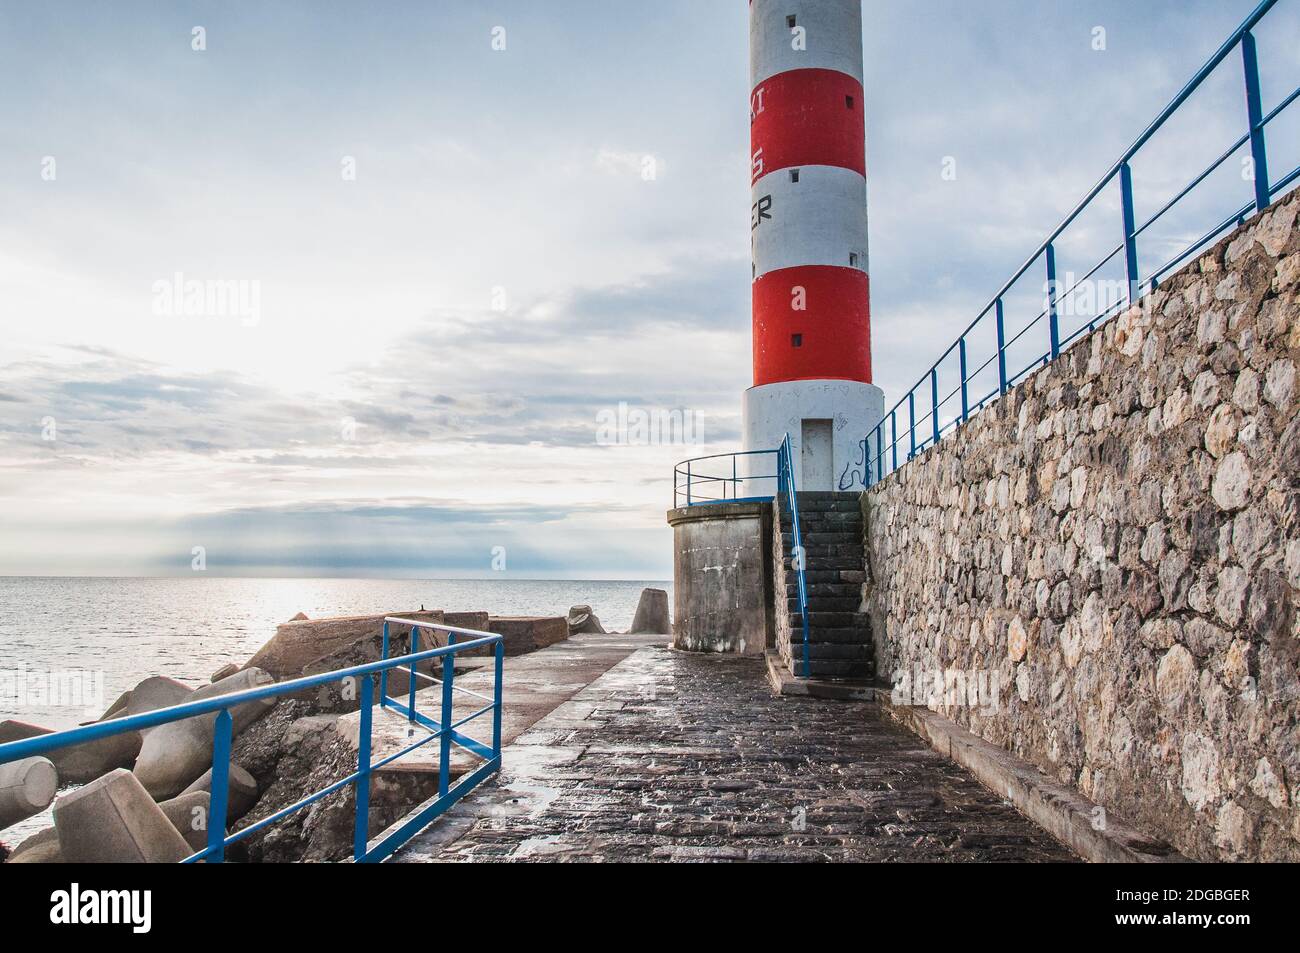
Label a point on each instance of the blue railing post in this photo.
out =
(444, 725)
(500, 653)
(1255, 111)
(911, 422)
(1130, 227)
(220, 790)
(1002, 348)
(934, 402)
(688, 483)
(965, 400)
(383, 676)
(880, 451)
(1053, 325)
(735, 483)
(410, 689)
(893, 422)
(361, 822)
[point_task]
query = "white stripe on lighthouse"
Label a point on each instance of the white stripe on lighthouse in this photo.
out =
(819, 220)
(831, 33)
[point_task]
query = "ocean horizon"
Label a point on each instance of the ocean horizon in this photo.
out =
(69, 645)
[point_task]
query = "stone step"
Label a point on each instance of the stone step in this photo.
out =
(825, 603)
(847, 651)
(818, 619)
(849, 636)
(820, 574)
(824, 563)
(836, 668)
(811, 525)
(837, 635)
(822, 506)
(850, 495)
(814, 551)
(830, 532)
(833, 537)
(824, 590)
(830, 518)
(823, 539)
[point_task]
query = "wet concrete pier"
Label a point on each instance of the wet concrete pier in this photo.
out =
(669, 756)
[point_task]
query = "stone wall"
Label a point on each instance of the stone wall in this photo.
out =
(1102, 569)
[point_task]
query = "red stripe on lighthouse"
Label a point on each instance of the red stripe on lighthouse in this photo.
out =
(833, 329)
(807, 117)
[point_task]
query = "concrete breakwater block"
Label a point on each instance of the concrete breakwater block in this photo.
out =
(157, 691)
(80, 763)
(296, 645)
(177, 753)
(230, 668)
(41, 848)
(153, 693)
(583, 619)
(114, 820)
(189, 814)
(26, 787)
(241, 792)
(479, 621)
(652, 613)
(525, 633)
(466, 620)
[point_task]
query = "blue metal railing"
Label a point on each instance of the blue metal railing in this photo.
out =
(443, 729)
(693, 487)
(878, 457)
(703, 480)
(786, 485)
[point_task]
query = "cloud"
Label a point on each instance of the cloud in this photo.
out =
(382, 410)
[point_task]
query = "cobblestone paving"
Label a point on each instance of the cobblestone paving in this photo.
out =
(672, 756)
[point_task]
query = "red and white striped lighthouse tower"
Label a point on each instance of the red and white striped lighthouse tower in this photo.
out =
(811, 311)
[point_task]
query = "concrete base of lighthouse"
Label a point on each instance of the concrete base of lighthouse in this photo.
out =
(722, 578)
(827, 421)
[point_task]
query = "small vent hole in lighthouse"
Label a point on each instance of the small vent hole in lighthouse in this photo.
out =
(794, 175)
(853, 259)
(796, 340)
(789, 21)
(848, 102)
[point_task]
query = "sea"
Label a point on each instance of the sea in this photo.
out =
(70, 645)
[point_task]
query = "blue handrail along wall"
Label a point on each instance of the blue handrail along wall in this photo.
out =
(901, 434)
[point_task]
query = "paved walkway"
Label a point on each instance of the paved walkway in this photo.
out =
(533, 686)
(674, 756)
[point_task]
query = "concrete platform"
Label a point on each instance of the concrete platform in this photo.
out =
(534, 685)
(675, 756)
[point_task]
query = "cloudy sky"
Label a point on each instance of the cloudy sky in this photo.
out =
(455, 258)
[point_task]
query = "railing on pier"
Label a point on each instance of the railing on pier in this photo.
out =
(444, 729)
(703, 481)
(879, 451)
(718, 478)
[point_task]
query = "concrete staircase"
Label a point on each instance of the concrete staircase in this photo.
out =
(830, 526)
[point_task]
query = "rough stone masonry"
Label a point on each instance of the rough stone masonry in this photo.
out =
(1107, 560)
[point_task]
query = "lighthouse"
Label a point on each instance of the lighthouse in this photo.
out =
(808, 226)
